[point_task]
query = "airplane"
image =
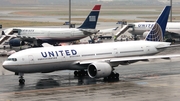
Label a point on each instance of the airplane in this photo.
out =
(107, 31)
(142, 28)
(97, 60)
(53, 36)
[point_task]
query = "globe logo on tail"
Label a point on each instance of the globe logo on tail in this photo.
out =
(155, 34)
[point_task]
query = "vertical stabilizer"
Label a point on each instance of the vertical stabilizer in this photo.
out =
(158, 30)
(91, 20)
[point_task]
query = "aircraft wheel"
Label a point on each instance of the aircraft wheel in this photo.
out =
(80, 73)
(117, 76)
(105, 79)
(112, 77)
(21, 81)
(75, 73)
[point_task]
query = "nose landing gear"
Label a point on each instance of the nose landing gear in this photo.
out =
(21, 79)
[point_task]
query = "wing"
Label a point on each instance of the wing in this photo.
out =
(173, 33)
(89, 31)
(26, 37)
(23, 37)
(47, 45)
(117, 61)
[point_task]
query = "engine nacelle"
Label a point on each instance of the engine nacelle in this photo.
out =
(99, 69)
(16, 42)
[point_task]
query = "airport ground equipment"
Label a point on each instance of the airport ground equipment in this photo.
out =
(122, 30)
(6, 37)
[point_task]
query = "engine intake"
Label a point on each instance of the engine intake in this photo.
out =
(99, 69)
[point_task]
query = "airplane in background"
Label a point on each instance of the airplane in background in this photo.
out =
(97, 60)
(53, 36)
(107, 31)
(142, 28)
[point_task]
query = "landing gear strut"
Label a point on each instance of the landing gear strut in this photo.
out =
(112, 77)
(80, 73)
(21, 79)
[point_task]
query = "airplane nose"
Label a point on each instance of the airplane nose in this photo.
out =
(7, 66)
(4, 64)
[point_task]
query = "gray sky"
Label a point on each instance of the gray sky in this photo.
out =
(85, 2)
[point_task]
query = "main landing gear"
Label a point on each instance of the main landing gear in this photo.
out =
(112, 77)
(21, 79)
(80, 73)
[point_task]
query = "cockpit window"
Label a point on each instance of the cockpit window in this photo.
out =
(12, 59)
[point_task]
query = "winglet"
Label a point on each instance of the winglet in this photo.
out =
(91, 20)
(158, 30)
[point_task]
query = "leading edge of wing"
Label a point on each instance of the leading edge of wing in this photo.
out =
(136, 58)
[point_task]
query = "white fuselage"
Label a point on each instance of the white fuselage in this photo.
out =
(53, 33)
(57, 34)
(141, 27)
(50, 59)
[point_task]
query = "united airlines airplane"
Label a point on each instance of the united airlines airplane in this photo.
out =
(98, 60)
(37, 36)
(142, 28)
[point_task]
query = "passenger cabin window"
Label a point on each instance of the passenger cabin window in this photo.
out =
(11, 59)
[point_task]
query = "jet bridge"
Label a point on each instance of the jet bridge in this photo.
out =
(122, 30)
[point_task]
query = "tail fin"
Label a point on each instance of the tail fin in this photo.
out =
(91, 20)
(158, 30)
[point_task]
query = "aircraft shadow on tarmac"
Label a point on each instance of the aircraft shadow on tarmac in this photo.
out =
(53, 81)
(50, 82)
(47, 83)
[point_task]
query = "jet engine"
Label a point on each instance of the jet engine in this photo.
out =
(99, 69)
(16, 42)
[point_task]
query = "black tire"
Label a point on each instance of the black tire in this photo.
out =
(75, 73)
(21, 81)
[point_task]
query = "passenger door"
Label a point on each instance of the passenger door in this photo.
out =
(115, 52)
(31, 59)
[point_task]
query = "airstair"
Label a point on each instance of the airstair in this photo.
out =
(122, 30)
(6, 36)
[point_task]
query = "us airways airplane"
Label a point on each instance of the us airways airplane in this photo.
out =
(142, 28)
(37, 36)
(98, 59)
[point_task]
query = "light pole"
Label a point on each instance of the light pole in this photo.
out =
(171, 11)
(69, 13)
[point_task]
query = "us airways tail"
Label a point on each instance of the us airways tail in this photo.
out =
(91, 20)
(157, 31)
